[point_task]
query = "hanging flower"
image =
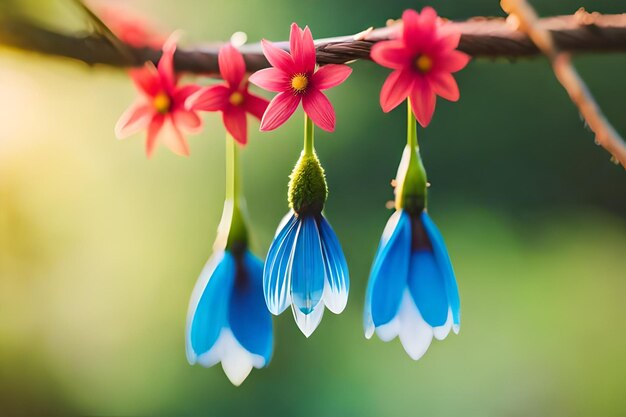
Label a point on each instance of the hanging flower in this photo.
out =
(305, 266)
(412, 292)
(423, 58)
(227, 319)
(231, 97)
(295, 78)
(161, 106)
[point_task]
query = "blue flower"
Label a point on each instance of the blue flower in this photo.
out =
(227, 319)
(305, 267)
(412, 292)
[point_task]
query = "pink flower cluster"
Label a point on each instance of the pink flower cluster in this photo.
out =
(423, 56)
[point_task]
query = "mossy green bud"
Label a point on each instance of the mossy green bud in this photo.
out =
(307, 185)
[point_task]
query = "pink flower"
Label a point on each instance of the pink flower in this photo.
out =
(160, 107)
(129, 26)
(231, 97)
(424, 57)
(295, 79)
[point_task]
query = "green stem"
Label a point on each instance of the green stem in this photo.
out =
(411, 191)
(233, 233)
(233, 181)
(411, 131)
(309, 149)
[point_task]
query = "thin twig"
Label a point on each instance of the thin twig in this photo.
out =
(524, 15)
(102, 29)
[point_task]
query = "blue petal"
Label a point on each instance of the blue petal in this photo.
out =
(250, 321)
(307, 266)
(443, 260)
(209, 304)
(390, 270)
(275, 282)
(337, 277)
(427, 287)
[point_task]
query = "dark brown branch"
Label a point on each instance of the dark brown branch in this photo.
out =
(481, 37)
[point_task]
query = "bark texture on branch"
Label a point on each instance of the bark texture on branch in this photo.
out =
(481, 37)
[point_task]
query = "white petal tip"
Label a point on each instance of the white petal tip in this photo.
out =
(415, 354)
(456, 328)
(308, 322)
(441, 332)
(236, 371)
(415, 334)
(389, 331)
(335, 300)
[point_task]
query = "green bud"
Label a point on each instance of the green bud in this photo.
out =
(232, 232)
(307, 185)
(411, 182)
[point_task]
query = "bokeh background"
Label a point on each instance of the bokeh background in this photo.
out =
(100, 248)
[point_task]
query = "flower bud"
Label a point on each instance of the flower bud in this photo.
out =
(307, 185)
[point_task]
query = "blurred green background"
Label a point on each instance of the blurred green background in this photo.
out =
(100, 248)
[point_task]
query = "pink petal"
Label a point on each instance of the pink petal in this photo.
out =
(453, 61)
(330, 76)
(423, 100)
(391, 54)
(182, 94)
(166, 63)
(171, 137)
(419, 29)
(187, 120)
(302, 49)
(212, 98)
(277, 57)
(279, 110)
(235, 122)
(134, 119)
(317, 106)
(255, 105)
(232, 65)
(449, 41)
(396, 88)
(147, 79)
(428, 17)
(153, 132)
(271, 79)
(444, 84)
(410, 26)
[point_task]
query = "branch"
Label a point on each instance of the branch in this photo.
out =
(555, 37)
(481, 37)
(606, 135)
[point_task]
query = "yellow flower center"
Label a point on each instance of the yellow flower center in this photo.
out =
(161, 103)
(236, 98)
(299, 82)
(424, 63)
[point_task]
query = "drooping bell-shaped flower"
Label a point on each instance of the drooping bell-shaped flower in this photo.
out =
(412, 291)
(305, 266)
(228, 321)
